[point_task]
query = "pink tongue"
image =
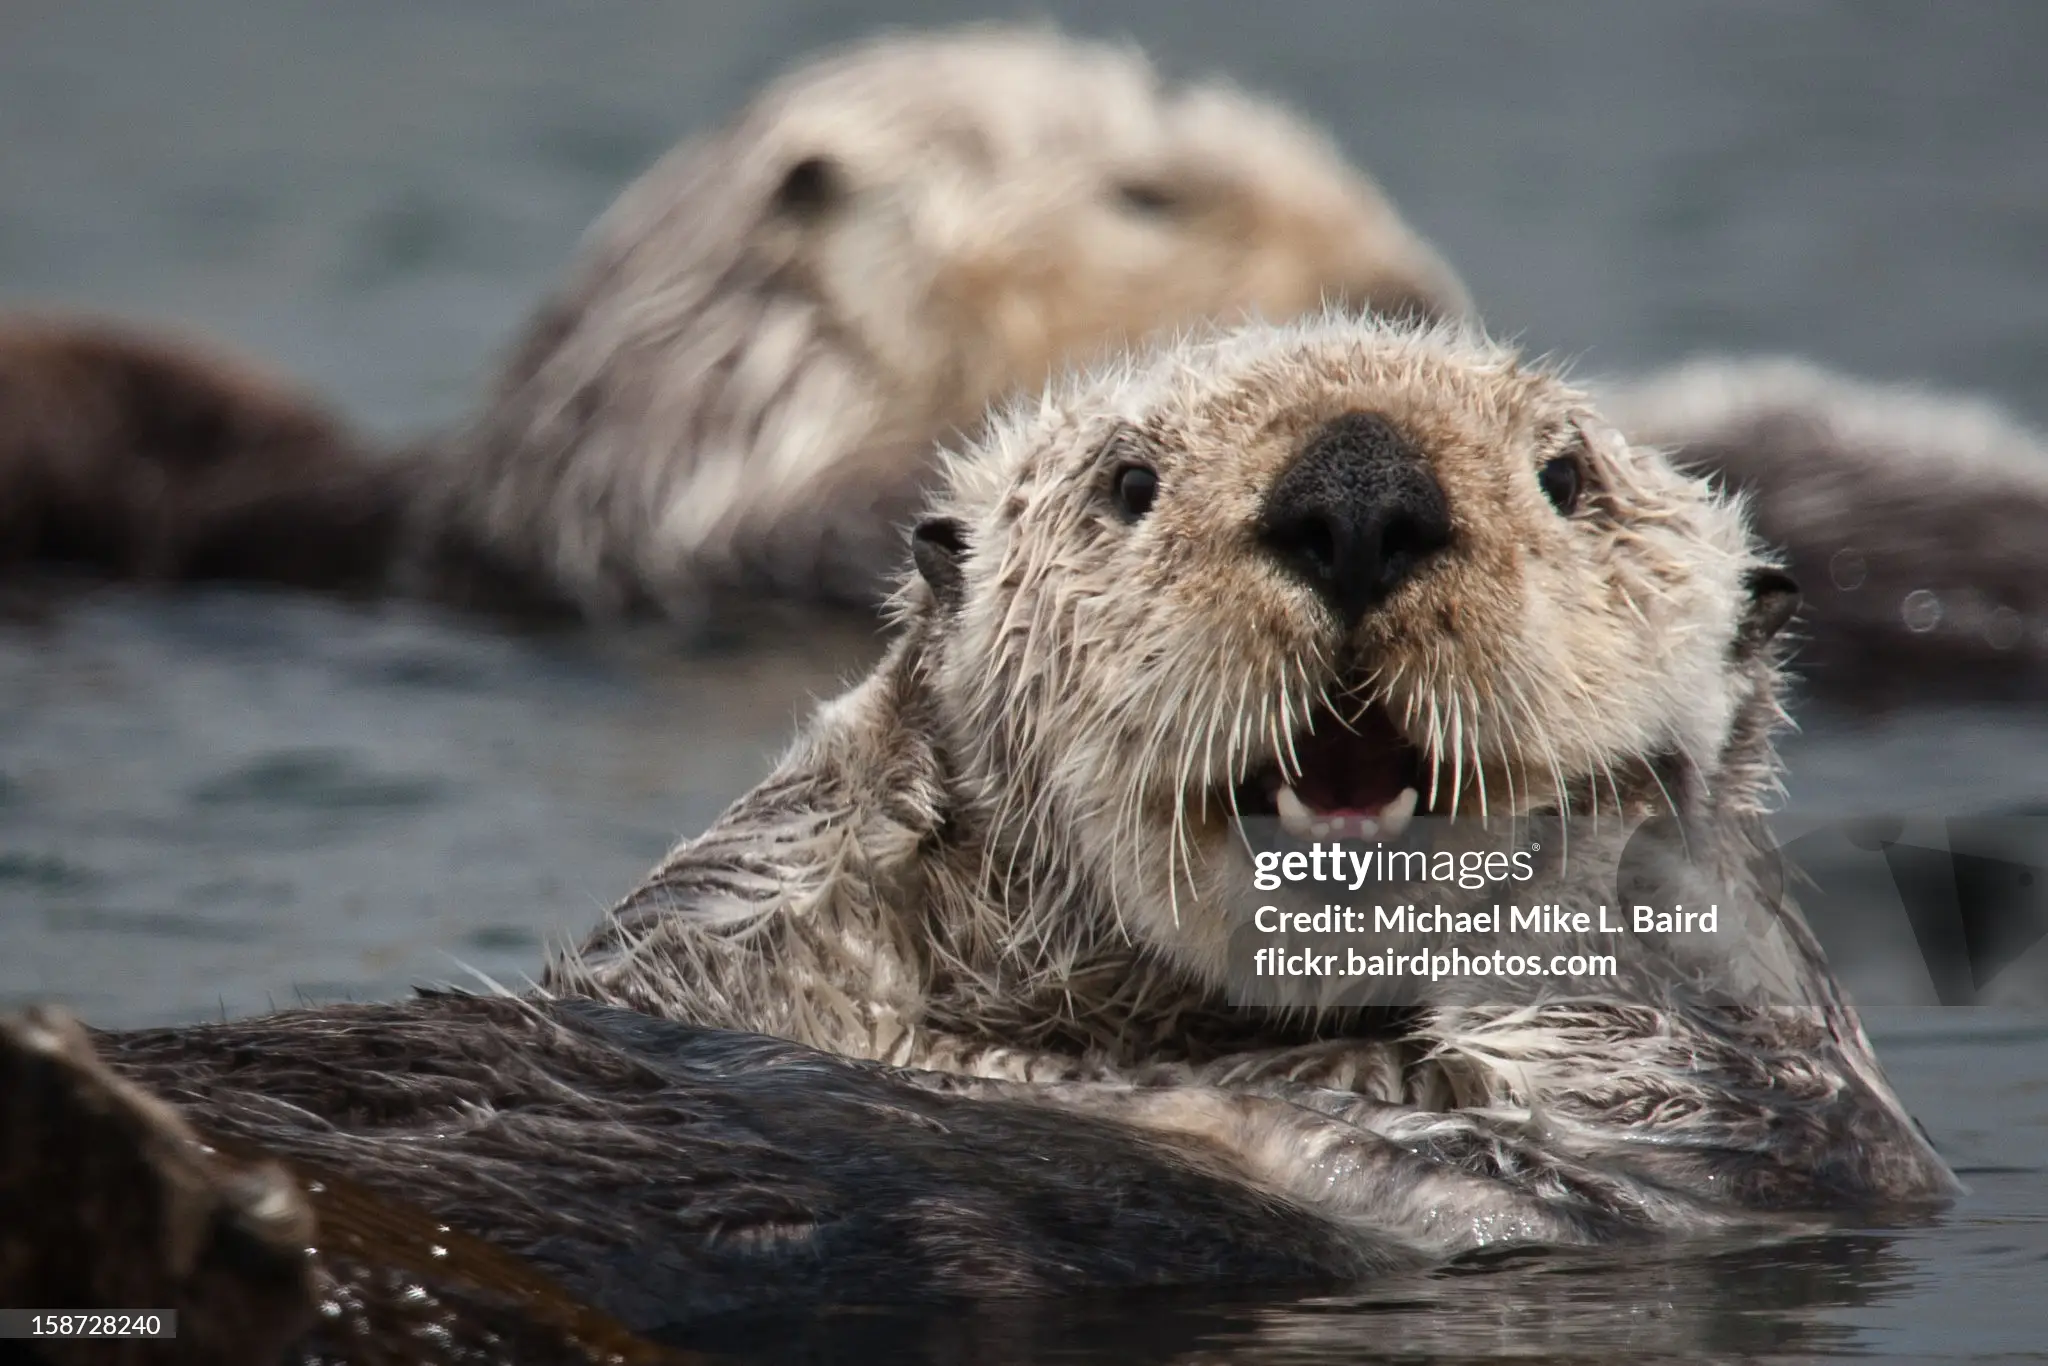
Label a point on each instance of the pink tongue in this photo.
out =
(1354, 771)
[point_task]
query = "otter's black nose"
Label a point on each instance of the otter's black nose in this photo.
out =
(1357, 514)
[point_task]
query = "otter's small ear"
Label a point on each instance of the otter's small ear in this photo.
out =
(809, 190)
(1773, 598)
(936, 547)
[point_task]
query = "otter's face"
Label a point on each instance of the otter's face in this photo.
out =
(984, 210)
(1339, 573)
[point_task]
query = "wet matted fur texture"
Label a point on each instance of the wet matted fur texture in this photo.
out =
(666, 1177)
(1019, 849)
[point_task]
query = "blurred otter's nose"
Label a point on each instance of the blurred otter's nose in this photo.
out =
(1409, 300)
(1357, 514)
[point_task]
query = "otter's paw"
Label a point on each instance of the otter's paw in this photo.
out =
(108, 1200)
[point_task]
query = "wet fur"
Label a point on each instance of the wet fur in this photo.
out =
(669, 1175)
(736, 391)
(1006, 853)
(661, 1179)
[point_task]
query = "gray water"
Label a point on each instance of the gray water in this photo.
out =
(219, 802)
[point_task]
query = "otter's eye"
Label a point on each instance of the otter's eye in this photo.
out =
(1136, 487)
(809, 188)
(1148, 198)
(1560, 480)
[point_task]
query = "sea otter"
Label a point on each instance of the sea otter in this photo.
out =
(736, 390)
(1384, 578)
(1346, 574)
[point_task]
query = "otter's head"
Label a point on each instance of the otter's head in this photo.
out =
(1336, 573)
(744, 377)
(985, 207)
(974, 210)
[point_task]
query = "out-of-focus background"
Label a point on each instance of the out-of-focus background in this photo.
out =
(218, 801)
(372, 193)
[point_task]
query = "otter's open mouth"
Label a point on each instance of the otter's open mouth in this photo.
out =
(1342, 779)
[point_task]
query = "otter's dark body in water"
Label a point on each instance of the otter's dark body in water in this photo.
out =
(652, 1182)
(659, 1177)
(169, 461)
(1915, 520)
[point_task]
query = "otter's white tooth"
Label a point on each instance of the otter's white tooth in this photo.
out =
(1295, 817)
(1368, 828)
(1319, 829)
(1396, 814)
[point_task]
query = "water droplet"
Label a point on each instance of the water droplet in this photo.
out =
(1921, 611)
(2004, 629)
(1847, 569)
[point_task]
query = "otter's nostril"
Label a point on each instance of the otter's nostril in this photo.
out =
(1357, 514)
(1310, 542)
(1406, 538)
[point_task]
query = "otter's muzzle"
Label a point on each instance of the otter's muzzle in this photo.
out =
(1357, 514)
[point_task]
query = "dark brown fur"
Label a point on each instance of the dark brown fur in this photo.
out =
(1912, 519)
(1862, 542)
(158, 459)
(108, 1198)
(664, 1177)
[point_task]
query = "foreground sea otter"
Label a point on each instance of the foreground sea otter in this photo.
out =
(737, 388)
(1346, 573)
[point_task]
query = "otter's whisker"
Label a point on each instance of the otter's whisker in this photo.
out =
(1457, 709)
(1436, 749)
(1479, 761)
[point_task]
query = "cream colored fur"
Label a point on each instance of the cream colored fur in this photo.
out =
(741, 382)
(1011, 852)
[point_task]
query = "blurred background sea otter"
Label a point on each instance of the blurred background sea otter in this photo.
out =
(733, 398)
(740, 387)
